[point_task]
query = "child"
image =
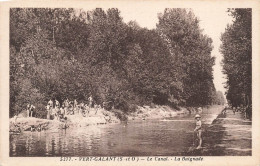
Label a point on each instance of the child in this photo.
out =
(198, 129)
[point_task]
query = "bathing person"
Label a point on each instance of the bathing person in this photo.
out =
(62, 111)
(28, 110)
(57, 104)
(75, 103)
(86, 109)
(95, 108)
(90, 101)
(32, 111)
(66, 104)
(48, 108)
(50, 103)
(198, 130)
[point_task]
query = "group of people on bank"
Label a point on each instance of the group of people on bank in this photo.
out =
(58, 111)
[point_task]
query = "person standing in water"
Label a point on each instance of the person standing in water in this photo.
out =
(198, 130)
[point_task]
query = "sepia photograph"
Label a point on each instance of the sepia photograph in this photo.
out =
(120, 81)
(96, 83)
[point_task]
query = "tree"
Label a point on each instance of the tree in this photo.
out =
(237, 63)
(191, 50)
(67, 53)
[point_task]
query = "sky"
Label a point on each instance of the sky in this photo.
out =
(213, 21)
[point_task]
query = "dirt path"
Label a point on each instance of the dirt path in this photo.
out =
(228, 135)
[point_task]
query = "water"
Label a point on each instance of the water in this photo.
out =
(137, 138)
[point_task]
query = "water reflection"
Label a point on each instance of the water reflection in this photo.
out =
(138, 138)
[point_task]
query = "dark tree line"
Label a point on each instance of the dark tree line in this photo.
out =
(237, 63)
(60, 53)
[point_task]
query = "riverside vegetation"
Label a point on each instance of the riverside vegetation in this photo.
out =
(132, 72)
(237, 63)
(71, 53)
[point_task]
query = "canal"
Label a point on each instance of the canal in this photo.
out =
(155, 137)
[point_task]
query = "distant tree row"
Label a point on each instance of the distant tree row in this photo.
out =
(68, 53)
(219, 99)
(237, 63)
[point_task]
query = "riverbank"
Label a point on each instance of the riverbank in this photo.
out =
(21, 123)
(233, 133)
(158, 137)
(156, 112)
(101, 117)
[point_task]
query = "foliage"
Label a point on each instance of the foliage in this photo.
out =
(191, 50)
(219, 98)
(237, 51)
(68, 53)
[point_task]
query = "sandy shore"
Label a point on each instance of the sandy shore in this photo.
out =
(156, 112)
(20, 124)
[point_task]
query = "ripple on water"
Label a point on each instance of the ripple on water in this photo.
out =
(149, 137)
